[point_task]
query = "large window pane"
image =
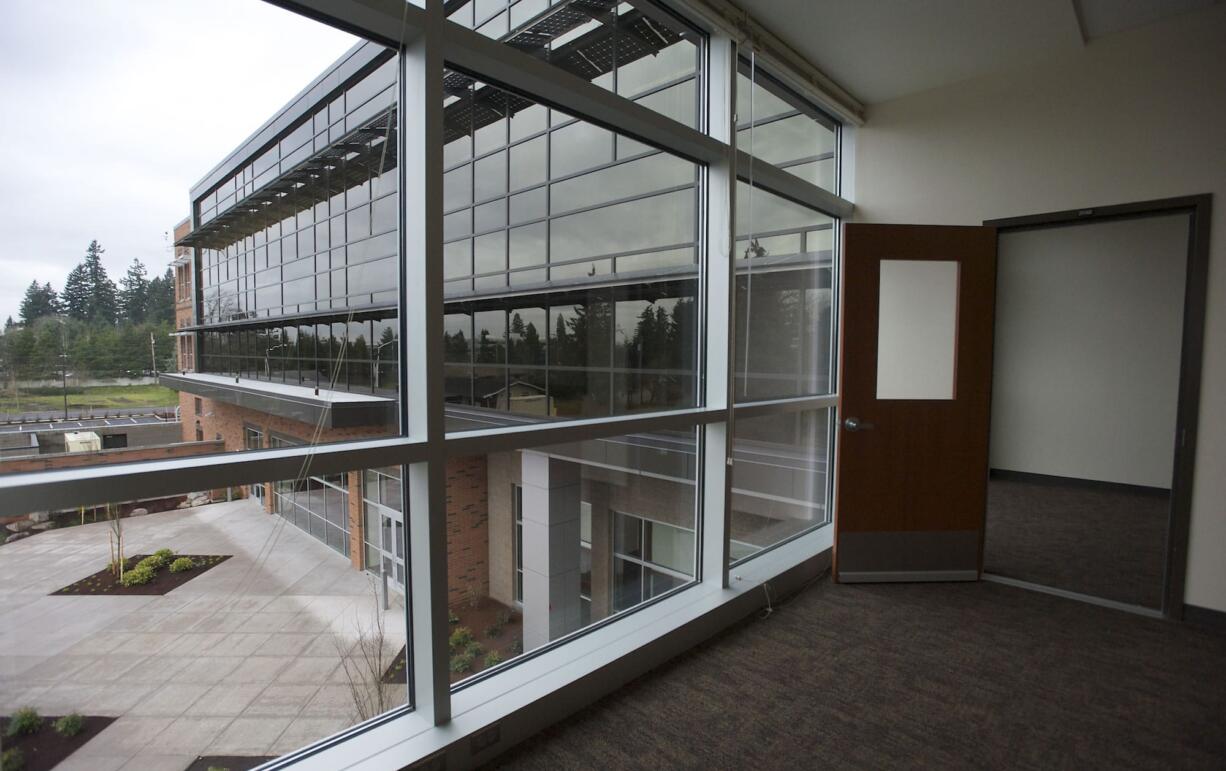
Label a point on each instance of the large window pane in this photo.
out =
(780, 478)
(258, 624)
(777, 126)
(544, 542)
(784, 298)
(598, 346)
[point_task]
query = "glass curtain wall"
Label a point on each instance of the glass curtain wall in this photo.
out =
(576, 286)
(785, 290)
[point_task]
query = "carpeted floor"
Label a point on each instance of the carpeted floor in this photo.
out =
(1105, 542)
(974, 675)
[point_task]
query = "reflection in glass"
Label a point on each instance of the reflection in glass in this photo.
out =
(779, 479)
(545, 542)
(784, 274)
(567, 343)
(777, 126)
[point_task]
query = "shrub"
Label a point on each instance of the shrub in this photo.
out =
(460, 638)
(165, 556)
(493, 630)
(474, 649)
(12, 759)
(24, 721)
(153, 563)
(141, 574)
(516, 647)
(504, 617)
(461, 663)
(181, 564)
(452, 618)
(493, 659)
(69, 725)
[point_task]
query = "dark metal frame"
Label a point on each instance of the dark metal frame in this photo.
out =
(1199, 209)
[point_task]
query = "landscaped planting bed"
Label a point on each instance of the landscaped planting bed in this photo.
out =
(163, 579)
(40, 743)
(482, 636)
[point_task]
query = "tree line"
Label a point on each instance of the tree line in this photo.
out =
(102, 328)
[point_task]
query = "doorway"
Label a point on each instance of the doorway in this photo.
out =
(1096, 372)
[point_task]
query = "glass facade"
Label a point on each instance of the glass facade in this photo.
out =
(383, 525)
(570, 263)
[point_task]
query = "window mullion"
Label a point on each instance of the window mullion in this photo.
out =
(420, 138)
(720, 295)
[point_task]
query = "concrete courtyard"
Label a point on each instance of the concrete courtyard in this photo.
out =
(244, 659)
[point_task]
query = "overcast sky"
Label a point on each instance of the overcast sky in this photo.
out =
(113, 109)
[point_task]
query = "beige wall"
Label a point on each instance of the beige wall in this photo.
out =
(1135, 116)
(1089, 321)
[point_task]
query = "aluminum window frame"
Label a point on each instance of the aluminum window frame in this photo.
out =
(419, 31)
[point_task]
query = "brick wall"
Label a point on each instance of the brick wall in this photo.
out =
(468, 572)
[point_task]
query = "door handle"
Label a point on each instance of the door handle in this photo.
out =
(855, 424)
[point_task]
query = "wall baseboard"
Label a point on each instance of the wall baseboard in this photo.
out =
(1092, 484)
(1206, 618)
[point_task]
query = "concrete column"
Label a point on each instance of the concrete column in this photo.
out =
(551, 548)
(602, 550)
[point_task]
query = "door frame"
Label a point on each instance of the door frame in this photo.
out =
(1199, 209)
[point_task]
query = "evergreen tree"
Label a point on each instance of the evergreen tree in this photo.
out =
(75, 297)
(39, 301)
(89, 294)
(134, 293)
(160, 299)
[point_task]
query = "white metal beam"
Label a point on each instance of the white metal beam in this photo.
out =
(97, 484)
(425, 505)
(770, 177)
(720, 293)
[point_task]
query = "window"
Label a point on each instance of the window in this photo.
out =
(575, 285)
(778, 127)
(649, 559)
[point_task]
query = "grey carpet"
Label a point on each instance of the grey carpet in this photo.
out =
(1105, 542)
(970, 675)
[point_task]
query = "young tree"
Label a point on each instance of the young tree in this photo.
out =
(39, 301)
(134, 293)
(89, 294)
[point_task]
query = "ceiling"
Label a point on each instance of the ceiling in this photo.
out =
(883, 49)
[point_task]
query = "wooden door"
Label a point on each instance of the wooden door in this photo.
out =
(915, 385)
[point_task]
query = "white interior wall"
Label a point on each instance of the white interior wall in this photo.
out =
(1134, 116)
(1088, 329)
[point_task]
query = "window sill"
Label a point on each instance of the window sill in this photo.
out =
(496, 713)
